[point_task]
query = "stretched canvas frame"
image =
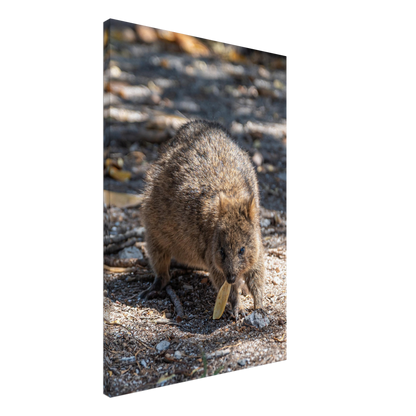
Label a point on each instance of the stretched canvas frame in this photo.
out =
(155, 81)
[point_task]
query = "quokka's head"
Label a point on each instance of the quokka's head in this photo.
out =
(236, 241)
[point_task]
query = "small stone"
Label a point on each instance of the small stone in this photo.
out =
(162, 346)
(131, 253)
(168, 315)
(265, 222)
(257, 319)
(188, 287)
(143, 363)
(257, 158)
(242, 362)
(178, 355)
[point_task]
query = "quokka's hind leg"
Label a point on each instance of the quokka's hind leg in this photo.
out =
(160, 261)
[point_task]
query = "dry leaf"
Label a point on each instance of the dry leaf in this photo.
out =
(119, 269)
(280, 339)
(191, 45)
(116, 163)
(165, 378)
(121, 200)
(221, 301)
(120, 175)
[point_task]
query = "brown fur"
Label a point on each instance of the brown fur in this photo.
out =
(202, 196)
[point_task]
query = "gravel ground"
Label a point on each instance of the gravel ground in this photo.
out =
(153, 82)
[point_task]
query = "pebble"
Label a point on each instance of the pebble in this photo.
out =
(242, 362)
(178, 355)
(131, 253)
(257, 319)
(187, 287)
(257, 158)
(143, 363)
(163, 345)
(265, 222)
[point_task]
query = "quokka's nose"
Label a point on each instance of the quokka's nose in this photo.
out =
(231, 278)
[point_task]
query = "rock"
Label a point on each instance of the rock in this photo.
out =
(257, 158)
(143, 363)
(162, 346)
(188, 287)
(265, 223)
(131, 253)
(257, 319)
(242, 362)
(178, 355)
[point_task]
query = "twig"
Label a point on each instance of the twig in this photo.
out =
(125, 262)
(141, 278)
(114, 248)
(217, 354)
(176, 302)
(109, 261)
(126, 360)
(112, 239)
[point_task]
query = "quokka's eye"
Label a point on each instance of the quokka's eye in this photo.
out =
(242, 250)
(222, 252)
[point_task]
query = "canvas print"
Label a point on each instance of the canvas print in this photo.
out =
(194, 208)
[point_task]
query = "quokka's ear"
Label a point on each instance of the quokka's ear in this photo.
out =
(250, 207)
(223, 203)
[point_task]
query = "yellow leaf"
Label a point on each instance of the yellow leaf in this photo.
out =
(120, 175)
(165, 378)
(117, 163)
(118, 199)
(221, 301)
(191, 45)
